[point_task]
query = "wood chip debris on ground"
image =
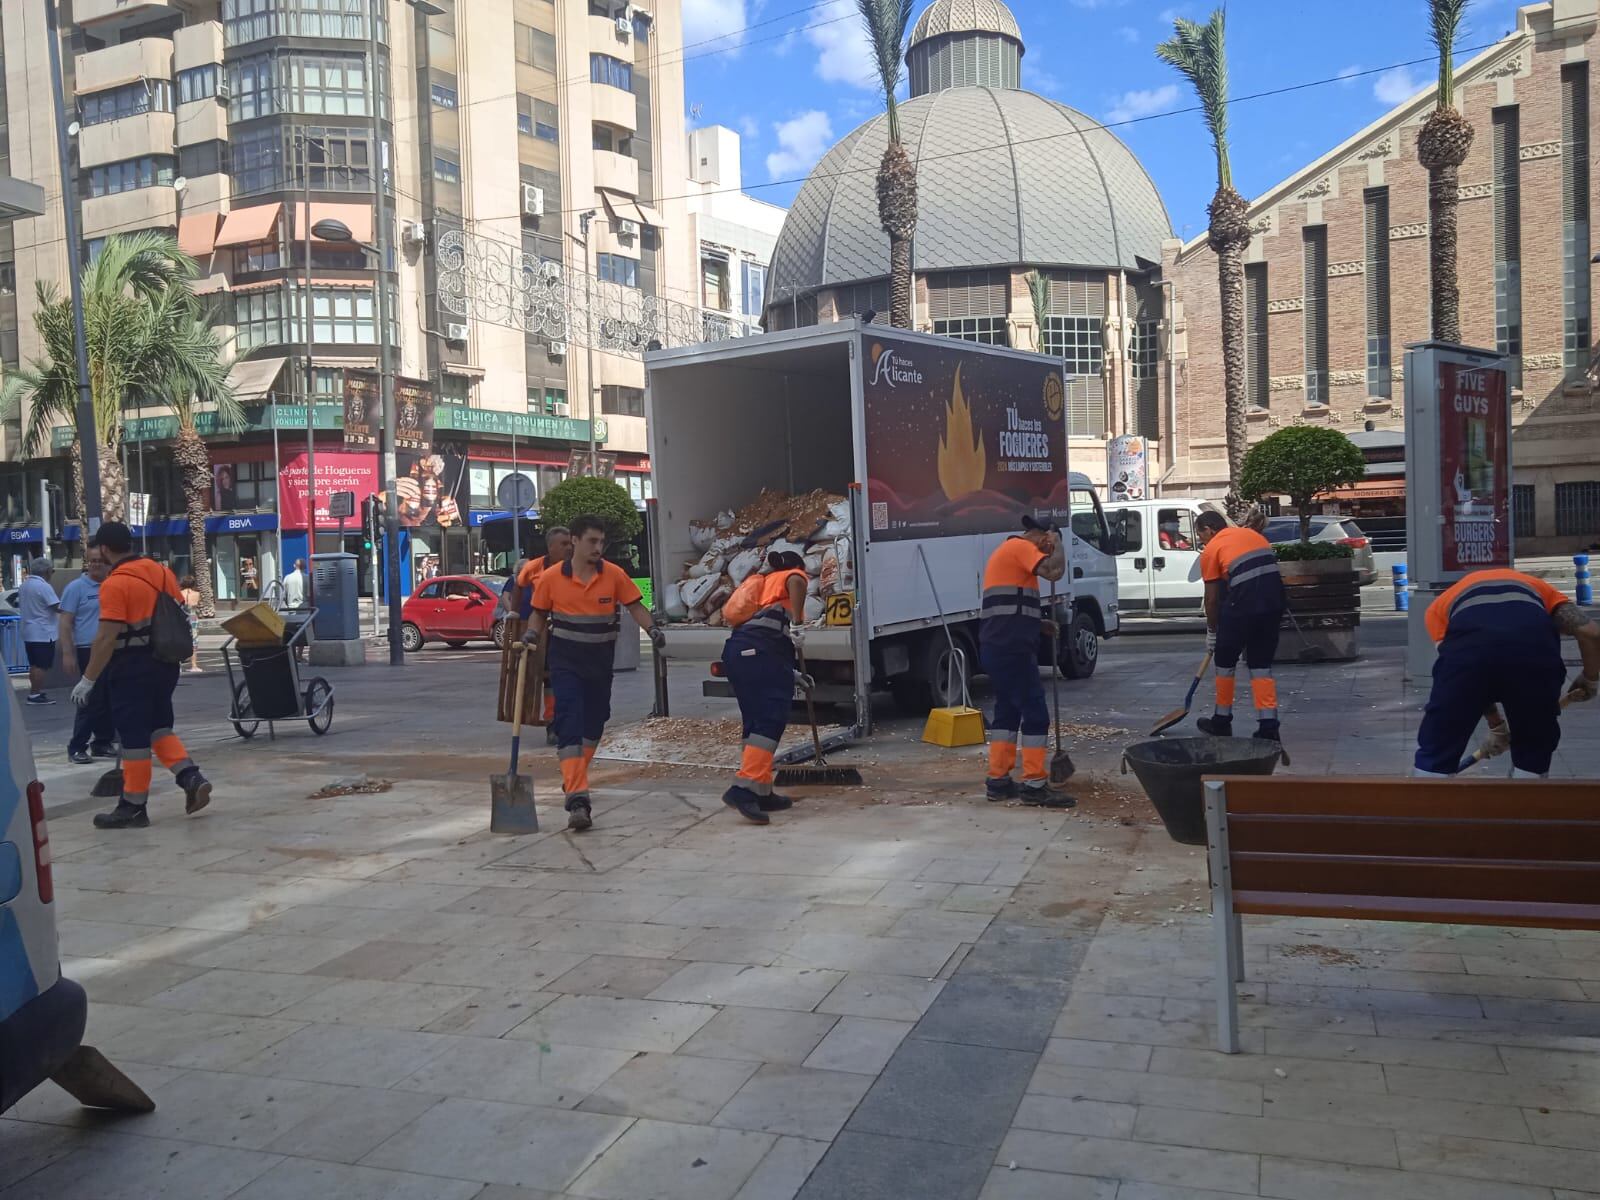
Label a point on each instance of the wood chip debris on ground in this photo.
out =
(356, 785)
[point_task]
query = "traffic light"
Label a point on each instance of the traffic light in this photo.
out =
(369, 522)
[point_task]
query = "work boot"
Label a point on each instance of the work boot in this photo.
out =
(81, 757)
(578, 815)
(1003, 788)
(746, 803)
(1215, 726)
(106, 751)
(1268, 731)
(196, 790)
(775, 803)
(1044, 794)
(123, 816)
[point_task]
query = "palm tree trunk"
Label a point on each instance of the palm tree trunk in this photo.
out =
(897, 213)
(192, 457)
(1229, 237)
(77, 488)
(1442, 146)
(111, 489)
(900, 282)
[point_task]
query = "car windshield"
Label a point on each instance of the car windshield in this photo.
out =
(495, 583)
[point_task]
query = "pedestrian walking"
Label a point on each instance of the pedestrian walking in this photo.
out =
(1499, 634)
(1009, 630)
(138, 684)
(93, 733)
(190, 590)
(557, 550)
(294, 585)
(576, 615)
(758, 660)
(1244, 605)
(39, 609)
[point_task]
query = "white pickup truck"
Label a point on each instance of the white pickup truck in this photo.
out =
(941, 445)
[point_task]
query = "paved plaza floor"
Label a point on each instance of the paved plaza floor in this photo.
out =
(894, 991)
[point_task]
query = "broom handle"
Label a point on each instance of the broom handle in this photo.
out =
(1055, 664)
(811, 711)
(521, 651)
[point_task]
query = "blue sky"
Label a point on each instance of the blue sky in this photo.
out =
(792, 76)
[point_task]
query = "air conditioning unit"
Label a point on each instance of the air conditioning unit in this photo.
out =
(456, 333)
(627, 228)
(563, 408)
(558, 349)
(224, 90)
(416, 233)
(624, 28)
(532, 200)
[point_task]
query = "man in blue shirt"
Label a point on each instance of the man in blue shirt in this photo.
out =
(94, 734)
(37, 605)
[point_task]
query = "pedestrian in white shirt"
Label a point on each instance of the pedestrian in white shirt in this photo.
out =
(39, 608)
(294, 586)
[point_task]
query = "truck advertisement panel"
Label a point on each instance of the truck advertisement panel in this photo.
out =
(961, 442)
(1474, 467)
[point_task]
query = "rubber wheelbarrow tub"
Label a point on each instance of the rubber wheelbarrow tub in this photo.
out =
(1170, 770)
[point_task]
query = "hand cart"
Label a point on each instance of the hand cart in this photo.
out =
(268, 688)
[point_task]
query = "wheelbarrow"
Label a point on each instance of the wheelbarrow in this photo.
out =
(1170, 770)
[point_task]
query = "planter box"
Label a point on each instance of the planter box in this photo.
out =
(1324, 611)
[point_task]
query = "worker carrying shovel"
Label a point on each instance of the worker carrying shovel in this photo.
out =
(1244, 606)
(758, 660)
(576, 614)
(558, 548)
(1499, 633)
(1008, 647)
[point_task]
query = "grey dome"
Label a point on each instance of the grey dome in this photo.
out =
(1004, 177)
(965, 16)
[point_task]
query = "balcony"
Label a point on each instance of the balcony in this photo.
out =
(125, 212)
(201, 121)
(604, 38)
(146, 58)
(197, 45)
(616, 172)
(129, 137)
(93, 12)
(613, 106)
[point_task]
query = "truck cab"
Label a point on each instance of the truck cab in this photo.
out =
(1092, 608)
(1158, 560)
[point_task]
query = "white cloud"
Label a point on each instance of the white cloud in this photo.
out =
(1128, 34)
(843, 53)
(724, 20)
(1142, 103)
(1036, 77)
(1348, 75)
(1395, 86)
(750, 128)
(802, 140)
(1168, 15)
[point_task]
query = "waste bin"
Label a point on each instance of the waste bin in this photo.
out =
(337, 591)
(627, 653)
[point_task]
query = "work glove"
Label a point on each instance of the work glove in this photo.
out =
(658, 637)
(1211, 641)
(804, 681)
(530, 638)
(797, 635)
(1583, 688)
(81, 691)
(1497, 742)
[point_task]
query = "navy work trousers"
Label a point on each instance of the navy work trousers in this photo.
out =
(1021, 716)
(139, 695)
(763, 683)
(1466, 681)
(92, 726)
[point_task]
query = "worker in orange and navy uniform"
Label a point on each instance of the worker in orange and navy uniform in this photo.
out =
(557, 549)
(1244, 602)
(576, 616)
(139, 688)
(1499, 633)
(758, 660)
(1008, 648)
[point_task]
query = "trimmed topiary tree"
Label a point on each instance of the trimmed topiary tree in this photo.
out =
(572, 498)
(1301, 462)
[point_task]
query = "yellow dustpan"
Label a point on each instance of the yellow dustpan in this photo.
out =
(958, 725)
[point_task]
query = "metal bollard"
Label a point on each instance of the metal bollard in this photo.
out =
(1402, 593)
(1583, 593)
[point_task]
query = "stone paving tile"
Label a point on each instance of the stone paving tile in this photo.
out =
(889, 997)
(798, 1101)
(1056, 959)
(1139, 1162)
(1434, 1003)
(784, 1170)
(109, 983)
(350, 1054)
(616, 1023)
(711, 912)
(1405, 1052)
(1576, 1131)
(1481, 1088)
(1058, 1114)
(379, 960)
(550, 1075)
(758, 949)
(857, 919)
(496, 967)
(1359, 1145)
(349, 1131)
(859, 1044)
(760, 1035)
(26, 1148)
(1572, 1039)
(866, 1166)
(500, 1143)
(616, 937)
(800, 989)
(491, 1013)
(1546, 1064)
(297, 1179)
(1289, 1179)
(1149, 1031)
(977, 898)
(1006, 1184)
(940, 1091)
(655, 1160)
(109, 1166)
(905, 893)
(1158, 1191)
(1544, 1166)
(856, 952)
(383, 1003)
(670, 1087)
(255, 952)
(616, 975)
(937, 925)
(1265, 1068)
(1410, 1113)
(1071, 1052)
(1011, 1012)
(205, 1041)
(1140, 1087)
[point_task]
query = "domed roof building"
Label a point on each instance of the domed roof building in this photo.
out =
(1007, 182)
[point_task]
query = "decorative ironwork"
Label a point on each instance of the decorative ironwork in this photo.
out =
(500, 284)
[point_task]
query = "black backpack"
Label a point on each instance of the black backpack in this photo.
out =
(171, 638)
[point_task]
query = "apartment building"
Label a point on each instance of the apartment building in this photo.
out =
(551, 128)
(735, 232)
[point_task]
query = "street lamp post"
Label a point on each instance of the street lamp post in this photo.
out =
(310, 378)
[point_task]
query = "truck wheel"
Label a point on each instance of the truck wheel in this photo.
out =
(929, 684)
(1080, 646)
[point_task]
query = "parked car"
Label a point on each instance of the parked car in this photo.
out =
(455, 610)
(1329, 529)
(1158, 555)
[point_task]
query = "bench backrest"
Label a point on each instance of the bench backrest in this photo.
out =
(1481, 851)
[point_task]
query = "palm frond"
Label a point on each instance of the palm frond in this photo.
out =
(1443, 25)
(1200, 54)
(1039, 293)
(886, 22)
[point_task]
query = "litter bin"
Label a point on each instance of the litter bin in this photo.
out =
(627, 654)
(337, 591)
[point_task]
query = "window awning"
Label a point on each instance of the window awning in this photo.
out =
(651, 216)
(247, 225)
(625, 208)
(346, 364)
(356, 217)
(197, 233)
(265, 285)
(253, 378)
(469, 370)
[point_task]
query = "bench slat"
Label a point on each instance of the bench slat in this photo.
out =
(1393, 908)
(1372, 875)
(1383, 797)
(1444, 837)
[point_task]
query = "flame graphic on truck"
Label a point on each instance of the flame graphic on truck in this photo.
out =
(963, 458)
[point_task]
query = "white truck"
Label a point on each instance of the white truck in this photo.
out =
(942, 446)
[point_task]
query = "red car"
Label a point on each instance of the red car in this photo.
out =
(455, 610)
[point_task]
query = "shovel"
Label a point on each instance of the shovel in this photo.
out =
(1477, 756)
(511, 808)
(1061, 768)
(1178, 714)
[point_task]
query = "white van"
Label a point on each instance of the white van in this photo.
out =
(1158, 566)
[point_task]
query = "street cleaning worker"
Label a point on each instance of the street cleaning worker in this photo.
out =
(1499, 633)
(758, 660)
(1244, 602)
(1008, 640)
(576, 615)
(139, 686)
(557, 549)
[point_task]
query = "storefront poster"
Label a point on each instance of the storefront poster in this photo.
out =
(363, 413)
(961, 442)
(413, 406)
(1127, 467)
(1474, 467)
(433, 488)
(337, 471)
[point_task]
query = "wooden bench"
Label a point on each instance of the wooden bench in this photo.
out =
(1447, 852)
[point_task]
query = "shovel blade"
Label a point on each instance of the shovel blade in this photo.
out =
(511, 807)
(1168, 721)
(1061, 768)
(90, 1079)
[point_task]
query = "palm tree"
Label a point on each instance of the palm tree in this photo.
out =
(1442, 146)
(1039, 295)
(886, 22)
(1200, 53)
